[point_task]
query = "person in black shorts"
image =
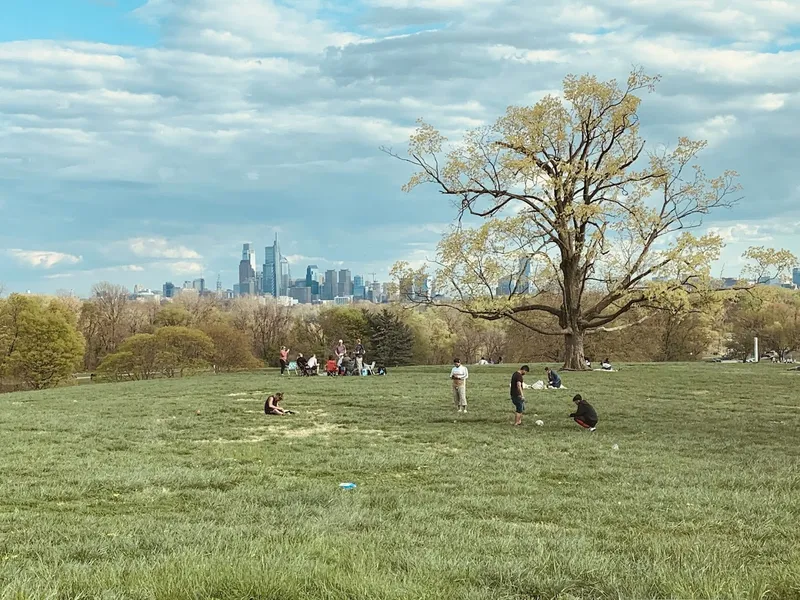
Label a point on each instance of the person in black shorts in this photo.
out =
(517, 396)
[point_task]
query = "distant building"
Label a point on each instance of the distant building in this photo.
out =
(345, 284)
(302, 294)
(312, 279)
(331, 288)
(247, 271)
(359, 291)
(342, 300)
(285, 274)
(199, 285)
(168, 290)
(796, 276)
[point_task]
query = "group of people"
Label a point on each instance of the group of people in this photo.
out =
(340, 362)
(605, 365)
(585, 415)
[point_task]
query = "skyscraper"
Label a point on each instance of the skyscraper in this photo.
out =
(272, 269)
(285, 276)
(199, 285)
(345, 287)
(796, 276)
(359, 291)
(312, 279)
(330, 289)
(247, 270)
(169, 290)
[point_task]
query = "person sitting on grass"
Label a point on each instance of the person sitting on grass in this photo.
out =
(271, 406)
(331, 368)
(585, 415)
(302, 363)
(606, 365)
(313, 365)
(553, 380)
(346, 366)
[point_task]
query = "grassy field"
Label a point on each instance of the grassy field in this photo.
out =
(124, 491)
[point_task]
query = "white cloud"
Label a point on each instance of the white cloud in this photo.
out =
(160, 248)
(43, 258)
(741, 233)
(185, 267)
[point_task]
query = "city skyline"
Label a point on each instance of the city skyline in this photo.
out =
(147, 139)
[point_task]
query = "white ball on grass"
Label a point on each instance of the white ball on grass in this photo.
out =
(540, 422)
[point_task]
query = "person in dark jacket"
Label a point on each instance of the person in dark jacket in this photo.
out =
(553, 380)
(585, 415)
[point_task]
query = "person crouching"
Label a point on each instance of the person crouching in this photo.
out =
(585, 415)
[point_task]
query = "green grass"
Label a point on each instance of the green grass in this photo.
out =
(123, 491)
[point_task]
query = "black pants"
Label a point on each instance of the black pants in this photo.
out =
(283, 366)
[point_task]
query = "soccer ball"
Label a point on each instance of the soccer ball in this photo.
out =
(540, 422)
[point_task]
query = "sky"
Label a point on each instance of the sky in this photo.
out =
(145, 140)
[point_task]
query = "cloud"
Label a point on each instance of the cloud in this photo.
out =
(186, 268)
(160, 248)
(253, 114)
(741, 233)
(43, 258)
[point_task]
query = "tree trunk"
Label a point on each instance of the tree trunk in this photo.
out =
(574, 359)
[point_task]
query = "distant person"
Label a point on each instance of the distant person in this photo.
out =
(331, 368)
(284, 359)
(517, 394)
(499, 360)
(340, 351)
(346, 365)
(588, 363)
(553, 380)
(606, 365)
(483, 361)
(272, 405)
(313, 365)
(302, 364)
(359, 351)
(585, 415)
(459, 375)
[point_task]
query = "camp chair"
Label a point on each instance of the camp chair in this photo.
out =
(292, 367)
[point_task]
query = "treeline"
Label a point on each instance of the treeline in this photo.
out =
(45, 340)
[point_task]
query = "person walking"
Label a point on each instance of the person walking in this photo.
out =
(359, 356)
(459, 374)
(517, 395)
(284, 358)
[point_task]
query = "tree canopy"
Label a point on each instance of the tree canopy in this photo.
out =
(568, 201)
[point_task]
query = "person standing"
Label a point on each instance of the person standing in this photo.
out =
(359, 356)
(340, 351)
(284, 357)
(517, 395)
(459, 375)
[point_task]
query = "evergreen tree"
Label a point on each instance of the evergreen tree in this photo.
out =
(392, 340)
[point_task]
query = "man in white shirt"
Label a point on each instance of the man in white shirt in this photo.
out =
(459, 375)
(313, 364)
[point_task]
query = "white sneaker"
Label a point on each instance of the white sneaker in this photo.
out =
(465, 409)
(592, 428)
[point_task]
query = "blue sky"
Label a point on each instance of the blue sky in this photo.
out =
(146, 140)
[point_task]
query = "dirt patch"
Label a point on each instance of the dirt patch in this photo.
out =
(699, 392)
(240, 394)
(269, 431)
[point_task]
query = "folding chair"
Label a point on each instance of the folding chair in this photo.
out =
(293, 367)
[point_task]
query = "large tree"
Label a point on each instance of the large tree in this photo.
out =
(576, 220)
